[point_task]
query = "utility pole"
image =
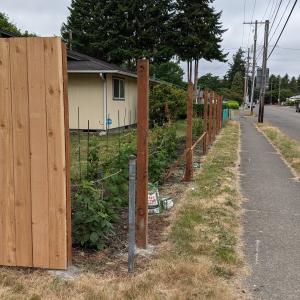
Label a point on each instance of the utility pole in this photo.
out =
(246, 78)
(264, 74)
(253, 63)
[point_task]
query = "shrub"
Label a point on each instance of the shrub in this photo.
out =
(198, 110)
(197, 128)
(233, 104)
(91, 216)
(163, 94)
(104, 189)
(162, 150)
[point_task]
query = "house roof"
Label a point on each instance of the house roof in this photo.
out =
(81, 63)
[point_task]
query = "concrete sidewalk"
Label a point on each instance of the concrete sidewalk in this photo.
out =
(272, 218)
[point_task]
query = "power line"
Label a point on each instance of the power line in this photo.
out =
(273, 10)
(253, 10)
(278, 8)
(266, 9)
(280, 20)
(287, 20)
(243, 23)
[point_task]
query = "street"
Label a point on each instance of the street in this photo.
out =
(285, 118)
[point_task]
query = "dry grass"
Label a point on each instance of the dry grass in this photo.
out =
(287, 147)
(199, 261)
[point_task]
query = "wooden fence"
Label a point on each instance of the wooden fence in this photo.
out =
(34, 154)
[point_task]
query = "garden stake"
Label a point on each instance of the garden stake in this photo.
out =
(131, 213)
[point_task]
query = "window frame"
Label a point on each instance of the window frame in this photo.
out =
(113, 88)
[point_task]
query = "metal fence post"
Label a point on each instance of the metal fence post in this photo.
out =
(131, 212)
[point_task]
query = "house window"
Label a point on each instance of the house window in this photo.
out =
(119, 89)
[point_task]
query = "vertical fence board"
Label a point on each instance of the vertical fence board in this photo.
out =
(20, 109)
(56, 153)
(39, 149)
(68, 158)
(7, 199)
(34, 154)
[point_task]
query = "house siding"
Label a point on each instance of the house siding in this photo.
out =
(92, 95)
(127, 107)
(86, 92)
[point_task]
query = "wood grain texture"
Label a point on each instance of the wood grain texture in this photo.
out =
(68, 158)
(142, 156)
(56, 153)
(34, 149)
(7, 199)
(188, 174)
(21, 138)
(39, 152)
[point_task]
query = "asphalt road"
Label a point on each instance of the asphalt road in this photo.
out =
(285, 118)
(271, 219)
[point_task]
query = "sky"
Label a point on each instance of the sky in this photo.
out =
(45, 18)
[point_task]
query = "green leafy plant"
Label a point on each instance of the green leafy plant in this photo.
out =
(166, 97)
(162, 150)
(91, 216)
(233, 104)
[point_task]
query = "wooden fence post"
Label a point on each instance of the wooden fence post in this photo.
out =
(218, 115)
(210, 117)
(221, 112)
(189, 135)
(142, 153)
(205, 125)
(214, 114)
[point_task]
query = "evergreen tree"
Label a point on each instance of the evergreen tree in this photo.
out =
(208, 81)
(237, 85)
(169, 72)
(293, 85)
(285, 82)
(7, 25)
(120, 31)
(196, 33)
(298, 85)
(237, 65)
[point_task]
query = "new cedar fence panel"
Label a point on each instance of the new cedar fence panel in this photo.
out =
(34, 158)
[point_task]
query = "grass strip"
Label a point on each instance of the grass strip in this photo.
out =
(287, 147)
(198, 261)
